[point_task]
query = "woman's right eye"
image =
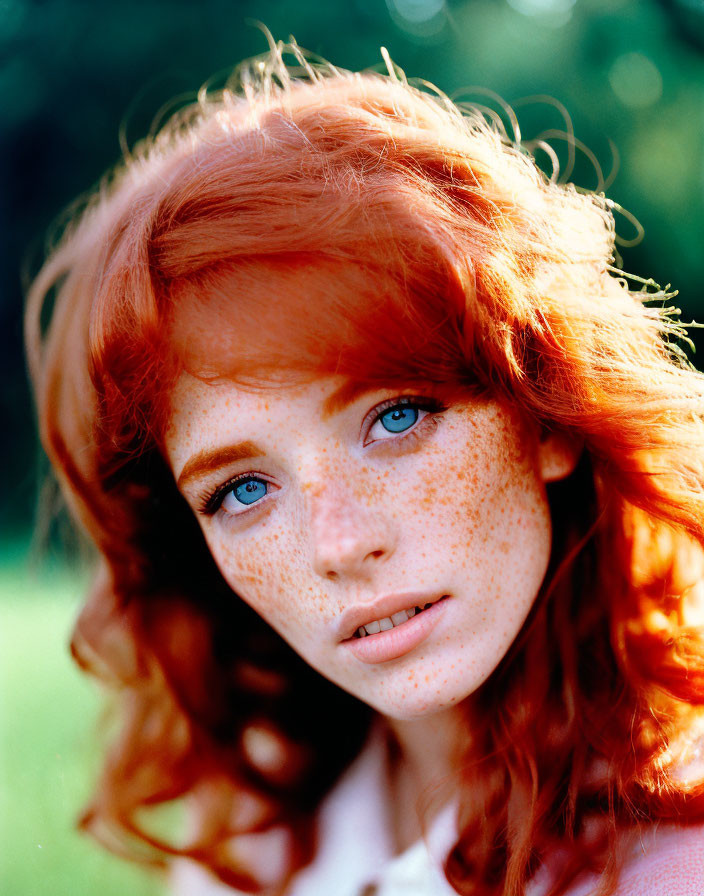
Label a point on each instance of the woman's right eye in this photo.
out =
(236, 496)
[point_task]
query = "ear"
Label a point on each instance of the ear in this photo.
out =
(558, 454)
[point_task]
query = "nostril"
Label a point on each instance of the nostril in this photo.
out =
(337, 554)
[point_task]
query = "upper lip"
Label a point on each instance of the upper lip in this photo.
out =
(381, 608)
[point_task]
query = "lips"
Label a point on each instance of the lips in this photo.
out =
(383, 607)
(400, 640)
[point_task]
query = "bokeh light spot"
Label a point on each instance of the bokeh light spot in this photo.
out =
(542, 7)
(417, 11)
(635, 80)
(13, 14)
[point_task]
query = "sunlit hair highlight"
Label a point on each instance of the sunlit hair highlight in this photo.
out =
(442, 254)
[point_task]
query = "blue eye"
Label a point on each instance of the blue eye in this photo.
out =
(249, 491)
(246, 491)
(399, 418)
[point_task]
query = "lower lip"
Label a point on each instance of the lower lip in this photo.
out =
(399, 640)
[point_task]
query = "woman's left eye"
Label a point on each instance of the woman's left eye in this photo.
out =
(399, 419)
(399, 416)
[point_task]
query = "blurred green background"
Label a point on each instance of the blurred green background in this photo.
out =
(75, 73)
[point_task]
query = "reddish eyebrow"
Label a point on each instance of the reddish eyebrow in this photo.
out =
(353, 389)
(210, 461)
(345, 395)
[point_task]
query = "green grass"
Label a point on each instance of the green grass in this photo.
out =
(49, 750)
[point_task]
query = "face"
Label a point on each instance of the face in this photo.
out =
(396, 541)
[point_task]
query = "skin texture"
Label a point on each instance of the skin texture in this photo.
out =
(454, 505)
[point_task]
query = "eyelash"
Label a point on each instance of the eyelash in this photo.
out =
(212, 502)
(424, 403)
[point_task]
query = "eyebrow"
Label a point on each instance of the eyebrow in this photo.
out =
(345, 395)
(211, 461)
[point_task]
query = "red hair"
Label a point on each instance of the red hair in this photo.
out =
(442, 254)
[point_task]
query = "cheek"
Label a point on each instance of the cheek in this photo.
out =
(265, 571)
(485, 503)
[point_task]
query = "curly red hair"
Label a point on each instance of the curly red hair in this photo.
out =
(484, 274)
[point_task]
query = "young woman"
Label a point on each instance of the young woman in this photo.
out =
(398, 490)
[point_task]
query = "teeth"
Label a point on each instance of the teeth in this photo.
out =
(384, 625)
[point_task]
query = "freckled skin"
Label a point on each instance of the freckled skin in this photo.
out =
(459, 509)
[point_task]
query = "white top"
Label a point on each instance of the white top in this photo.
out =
(355, 854)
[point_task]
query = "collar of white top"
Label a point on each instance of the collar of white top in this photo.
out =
(355, 846)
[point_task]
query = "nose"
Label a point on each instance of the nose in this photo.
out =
(350, 537)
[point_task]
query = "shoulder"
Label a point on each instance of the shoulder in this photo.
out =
(664, 860)
(668, 861)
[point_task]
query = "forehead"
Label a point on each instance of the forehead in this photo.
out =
(231, 321)
(196, 403)
(264, 321)
(193, 398)
(224, 416)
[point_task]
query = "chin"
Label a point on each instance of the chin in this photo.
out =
(420, 703)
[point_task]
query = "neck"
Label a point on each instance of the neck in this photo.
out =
(423, 762)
